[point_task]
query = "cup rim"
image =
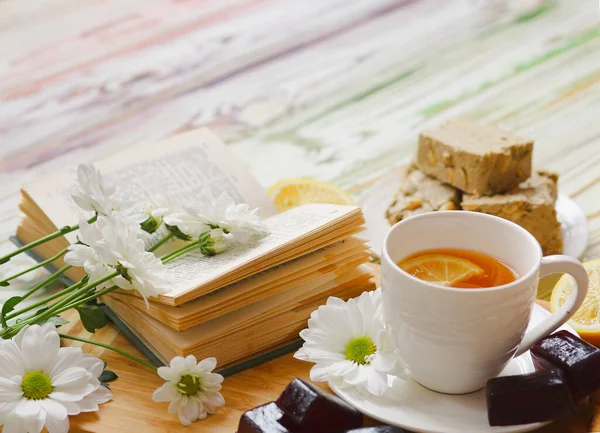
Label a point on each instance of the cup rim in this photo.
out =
(470, 214)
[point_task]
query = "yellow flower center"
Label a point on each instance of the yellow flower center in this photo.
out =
(189, 385)
(36, 385)
(359, 349)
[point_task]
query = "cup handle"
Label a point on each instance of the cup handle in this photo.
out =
(552, 265)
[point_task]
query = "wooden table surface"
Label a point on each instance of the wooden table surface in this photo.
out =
(331, 89)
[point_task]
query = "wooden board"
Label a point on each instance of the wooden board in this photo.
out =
(331, 89)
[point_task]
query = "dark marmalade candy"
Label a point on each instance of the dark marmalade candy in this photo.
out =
(304, 408)
(578, 360)
(262, 419)
(528, 398)
(309, 409)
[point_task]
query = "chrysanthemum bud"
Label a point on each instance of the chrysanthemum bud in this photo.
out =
(151, 223)
(178, 233)
(212, 242)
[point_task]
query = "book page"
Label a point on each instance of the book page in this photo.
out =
(194, 270)
(179, 167)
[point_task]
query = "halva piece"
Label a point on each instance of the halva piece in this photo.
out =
(530, 205)
(420, 193)
(477, 159)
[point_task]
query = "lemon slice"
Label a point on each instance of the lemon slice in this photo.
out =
(290, 193)
(441, 268)
(586, 320)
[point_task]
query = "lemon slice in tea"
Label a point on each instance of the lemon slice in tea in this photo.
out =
(441, 269)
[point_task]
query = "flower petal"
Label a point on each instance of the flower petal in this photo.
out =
(168, 373)
(35, 425)
(87, 405)
(101, 395)
(208, 364)
(175, 405)
(57, 425)
(341, 368)
(166, 392)
(357, 376)
(73, 384)
(188, 413)
(14, 425)
(66, 358)
(178, 364)
(11, 361)
(384, 361)
(54, 409)
(318, 373)
(28, 408)
(39, 347)
(376, 382)
(190, 362)
(93, 365)
(71, 407)
(10, 389)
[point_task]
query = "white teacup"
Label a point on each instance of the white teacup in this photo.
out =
(453, 340)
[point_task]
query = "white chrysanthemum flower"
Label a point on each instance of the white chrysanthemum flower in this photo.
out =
(92, 194)
(191, 388)
(41, 383)
(112, 244)
(221, 212)
(84, 255)
(350, 345)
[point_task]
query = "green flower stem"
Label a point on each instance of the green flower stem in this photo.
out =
(164, 240)
(70, 298)
(56, 307)
(45, 282)
(44, 301)
(61, 232)
(109, 347)
(33, 268)
(179, 252)
(87, 299)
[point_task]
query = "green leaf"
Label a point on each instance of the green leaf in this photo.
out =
(92, 317)
(4, 260)
(57, 321)
(8, 306)
(108, 376)
(41, 310)
(4, 283)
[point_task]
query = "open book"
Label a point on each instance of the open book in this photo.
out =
(245, 302)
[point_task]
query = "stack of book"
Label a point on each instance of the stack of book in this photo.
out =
(241, 305)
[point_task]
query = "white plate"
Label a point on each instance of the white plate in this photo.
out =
(376, 200)
(423, 410)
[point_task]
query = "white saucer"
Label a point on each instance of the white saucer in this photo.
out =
(422, 410)
(376, 200)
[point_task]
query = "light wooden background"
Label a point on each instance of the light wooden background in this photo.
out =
(331, 89)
